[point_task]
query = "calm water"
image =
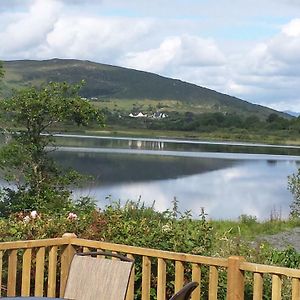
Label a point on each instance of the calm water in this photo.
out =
(227, 179)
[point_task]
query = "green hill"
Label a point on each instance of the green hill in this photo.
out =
(111, 83)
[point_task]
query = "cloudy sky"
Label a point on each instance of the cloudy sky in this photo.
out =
(245, 48)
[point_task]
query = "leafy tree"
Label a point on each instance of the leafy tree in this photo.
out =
(38, 183)
(294, 187)
(1, 74)
(272, 118)
(1, 70)
(252, 122)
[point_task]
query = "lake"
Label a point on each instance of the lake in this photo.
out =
(226, 179)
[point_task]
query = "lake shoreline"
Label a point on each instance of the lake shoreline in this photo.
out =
(227, 180)
(176, 140)
(216, 136)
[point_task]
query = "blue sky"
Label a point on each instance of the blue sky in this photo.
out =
(246, 48)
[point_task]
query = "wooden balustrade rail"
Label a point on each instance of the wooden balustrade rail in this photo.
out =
(157, 259)
(40, 268)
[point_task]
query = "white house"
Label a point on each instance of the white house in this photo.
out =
(139, 115)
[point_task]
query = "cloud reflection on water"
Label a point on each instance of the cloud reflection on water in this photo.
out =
(254, 187)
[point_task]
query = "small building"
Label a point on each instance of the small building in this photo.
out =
(159, 115)
(139, 115)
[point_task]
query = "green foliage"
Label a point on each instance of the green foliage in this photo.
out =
(154, 229)
(1, 70)
(39, 182)
(294, 187)
(249, 228)
(1, 76)
(38, 109)
(132, 224)
(288, 257)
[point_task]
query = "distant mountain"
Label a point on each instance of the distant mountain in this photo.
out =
(292, 113)
(112, 82)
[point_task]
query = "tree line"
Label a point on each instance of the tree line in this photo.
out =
(205, 122)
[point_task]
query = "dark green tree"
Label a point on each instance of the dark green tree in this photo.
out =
(38, 183)
(272, 118)
(1, 73)
(294, 187)
(1, 70)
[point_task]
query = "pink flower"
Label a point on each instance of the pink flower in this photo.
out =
(72, 216)
(34, 214)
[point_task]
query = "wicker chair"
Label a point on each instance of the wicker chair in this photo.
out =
(97, 278)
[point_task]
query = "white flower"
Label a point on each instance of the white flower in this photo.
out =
(26, 219)
(33, 214)
(166, 228)
(72, 216)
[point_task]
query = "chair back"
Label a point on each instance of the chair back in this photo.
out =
(98, 278)
(185, 292)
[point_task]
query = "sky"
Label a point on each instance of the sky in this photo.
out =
(245, 48)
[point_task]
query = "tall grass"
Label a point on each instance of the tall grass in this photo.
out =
(248, 227)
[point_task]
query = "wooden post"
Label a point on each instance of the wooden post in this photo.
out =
(39, 272)
(258, 286)
(67, 254)
(26, 268)
(146, 278)
(161, 279)
(213, 283)
(52, 268)
(179, 275)
(196, 276)
(276, 287)
(12, 273)
(295, 288)
(235, 278)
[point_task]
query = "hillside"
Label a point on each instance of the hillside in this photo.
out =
(107, 82)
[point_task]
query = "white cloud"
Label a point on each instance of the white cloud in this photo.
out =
(30, 29)
(46, 30)
(101, 39)
(189, 51)
(292, 29)
(286, 46)
(279, 53)
(268, 73)
(154, 60)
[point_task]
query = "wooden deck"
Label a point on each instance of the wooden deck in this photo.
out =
(40, 268)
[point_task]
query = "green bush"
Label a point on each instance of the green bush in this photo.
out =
(132, 224)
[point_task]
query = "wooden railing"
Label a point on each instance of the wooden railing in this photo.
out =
(40, 268)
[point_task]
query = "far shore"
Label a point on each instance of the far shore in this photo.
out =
(216, 136)
(176, 140)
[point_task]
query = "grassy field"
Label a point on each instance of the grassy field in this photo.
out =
(250, 229)
(148, 105)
